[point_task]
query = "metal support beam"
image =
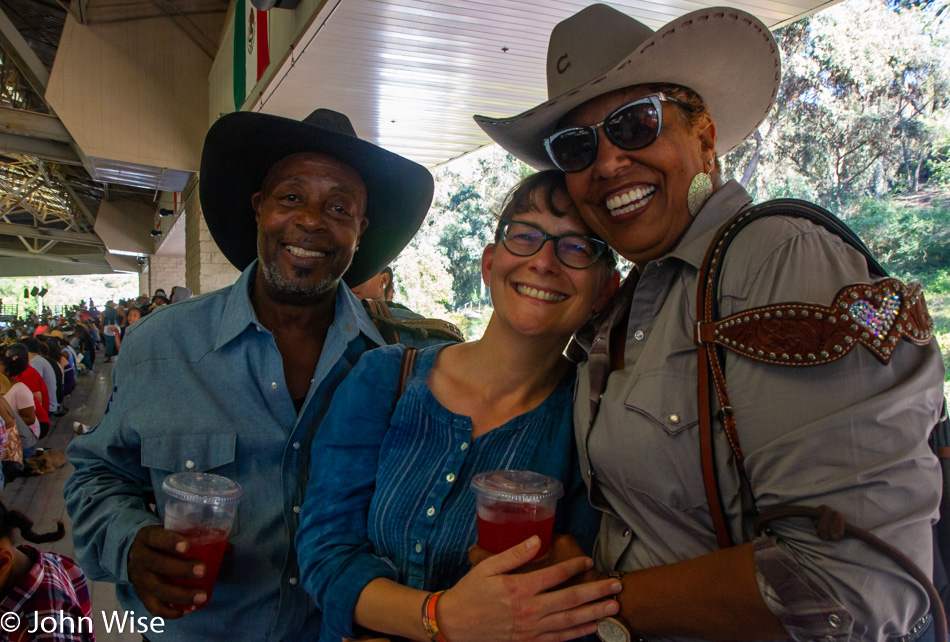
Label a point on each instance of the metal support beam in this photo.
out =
(25, 204)
(50, 257)
(23, 57)
(26, 231)
(189, 28)
(59, 196)
(78, 201)
(45, 149)
(31, 123)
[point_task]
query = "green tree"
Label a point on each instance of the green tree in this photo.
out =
(862, 86)
(468, 200)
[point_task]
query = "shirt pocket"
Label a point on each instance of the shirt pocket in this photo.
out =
(662, 412)
(196, 452)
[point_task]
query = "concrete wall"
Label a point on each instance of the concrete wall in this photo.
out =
(165, 272)
(134, 91)
(143, 280)
(206, 267)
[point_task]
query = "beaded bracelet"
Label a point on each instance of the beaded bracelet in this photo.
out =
(428, 618)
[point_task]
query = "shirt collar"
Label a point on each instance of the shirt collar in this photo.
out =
(721, 206)
(349, 317)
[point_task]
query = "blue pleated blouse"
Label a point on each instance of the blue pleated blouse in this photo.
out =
(389, 492)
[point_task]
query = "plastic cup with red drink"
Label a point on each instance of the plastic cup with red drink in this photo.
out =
(201, 506)
(513, 505)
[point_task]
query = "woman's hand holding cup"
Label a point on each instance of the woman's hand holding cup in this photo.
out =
(492, 603)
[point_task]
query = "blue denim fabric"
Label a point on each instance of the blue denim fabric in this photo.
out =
(389, 491)
(199, 386)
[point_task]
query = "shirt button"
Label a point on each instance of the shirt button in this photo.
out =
(590, 472)
(189, 464)
(834, 620)
(626, 532)
(464, 446)
(296, 510)
(638, 335)
(293, 581)
(829, 638)
(674, 419)
(418, 547)
(431, 511)
(273, 384)
(296, 445)
(259, 329)
(450, 477)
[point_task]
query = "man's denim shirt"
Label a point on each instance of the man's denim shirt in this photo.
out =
(199, 386)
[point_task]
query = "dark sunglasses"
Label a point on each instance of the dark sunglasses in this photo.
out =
(573, 250)
(633, 126)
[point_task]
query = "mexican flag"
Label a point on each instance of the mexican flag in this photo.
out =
(251, 49)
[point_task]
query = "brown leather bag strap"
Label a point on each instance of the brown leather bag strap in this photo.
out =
(710, 355)
(710, 343)
(708, 364)
(405, 368)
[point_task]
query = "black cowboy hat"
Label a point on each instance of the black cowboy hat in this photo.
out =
(239, 149)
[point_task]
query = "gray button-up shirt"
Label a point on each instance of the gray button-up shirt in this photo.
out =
(851, 434)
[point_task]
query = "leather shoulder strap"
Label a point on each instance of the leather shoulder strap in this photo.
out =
(709, 354)
(405, 369)
(419, 329)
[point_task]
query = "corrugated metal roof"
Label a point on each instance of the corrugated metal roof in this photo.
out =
(411, 73)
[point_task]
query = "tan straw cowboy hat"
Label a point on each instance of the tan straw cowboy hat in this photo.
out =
(725, 55)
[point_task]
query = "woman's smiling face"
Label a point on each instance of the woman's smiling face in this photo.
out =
(538, 294)
(636, 200)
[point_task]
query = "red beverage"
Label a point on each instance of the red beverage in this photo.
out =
(506, 525)
(207, 547)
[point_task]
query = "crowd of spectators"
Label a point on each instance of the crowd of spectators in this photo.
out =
(43, 356)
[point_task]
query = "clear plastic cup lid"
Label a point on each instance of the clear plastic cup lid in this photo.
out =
(517, 486)
(203, 488)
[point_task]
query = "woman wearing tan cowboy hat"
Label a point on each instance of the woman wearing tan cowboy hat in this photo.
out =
(637, 122)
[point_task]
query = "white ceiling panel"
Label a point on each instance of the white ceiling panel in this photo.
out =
(411, 73)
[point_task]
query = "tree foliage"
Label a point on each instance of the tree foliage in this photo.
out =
(467, 203)
(864, 86)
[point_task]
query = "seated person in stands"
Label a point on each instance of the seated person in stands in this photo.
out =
(41, 586)
(22, 402)
(19, 369)
(48, 354)
(45, 370)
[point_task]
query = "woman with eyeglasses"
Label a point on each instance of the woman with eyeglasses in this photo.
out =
(390, 518)
(637, 120)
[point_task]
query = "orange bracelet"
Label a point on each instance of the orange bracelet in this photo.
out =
(428, 618)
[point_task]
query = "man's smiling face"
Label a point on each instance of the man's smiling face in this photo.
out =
(310, 215)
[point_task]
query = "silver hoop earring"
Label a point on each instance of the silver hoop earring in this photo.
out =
(700, 189)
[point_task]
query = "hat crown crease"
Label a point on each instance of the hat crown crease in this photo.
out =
(572, 62)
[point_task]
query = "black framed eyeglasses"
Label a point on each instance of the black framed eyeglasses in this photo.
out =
(573, 250)
(632, 126)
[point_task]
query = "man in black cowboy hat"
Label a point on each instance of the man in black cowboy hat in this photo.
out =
(250, 370)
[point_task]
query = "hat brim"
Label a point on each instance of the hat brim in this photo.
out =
(241, 147)
(729, 57)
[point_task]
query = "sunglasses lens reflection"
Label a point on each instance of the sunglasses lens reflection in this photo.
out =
(634, 126)
(574, 149)
(631, 127)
